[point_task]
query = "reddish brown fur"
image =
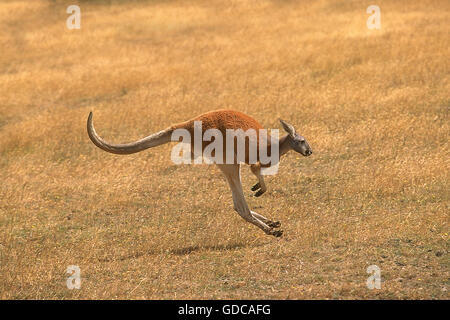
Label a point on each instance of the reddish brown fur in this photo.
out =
(222, 120)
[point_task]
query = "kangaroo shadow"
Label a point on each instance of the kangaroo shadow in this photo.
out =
(219, 247)
(183, 251)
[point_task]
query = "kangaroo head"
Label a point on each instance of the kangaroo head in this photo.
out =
(296, 141)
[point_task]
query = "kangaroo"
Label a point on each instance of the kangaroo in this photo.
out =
(222, 120)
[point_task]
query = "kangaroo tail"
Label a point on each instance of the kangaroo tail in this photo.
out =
(153, 140)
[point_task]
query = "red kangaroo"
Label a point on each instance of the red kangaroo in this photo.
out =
(222, 120)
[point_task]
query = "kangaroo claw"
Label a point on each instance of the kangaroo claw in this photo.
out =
(256, 187)
(274, 224)
(259, 193)
(277, 233)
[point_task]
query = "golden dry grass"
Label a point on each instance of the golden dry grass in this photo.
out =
(372, 103)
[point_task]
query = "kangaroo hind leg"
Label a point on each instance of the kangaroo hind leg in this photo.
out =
(232, 174)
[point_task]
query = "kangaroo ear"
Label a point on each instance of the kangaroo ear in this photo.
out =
(289, 128)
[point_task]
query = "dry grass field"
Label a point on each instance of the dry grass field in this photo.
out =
(373, 104)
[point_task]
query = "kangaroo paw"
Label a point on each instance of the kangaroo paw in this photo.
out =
(259, 192)
(256, 187)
